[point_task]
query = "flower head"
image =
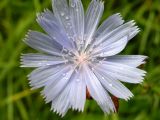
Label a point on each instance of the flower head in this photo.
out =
(78, 55)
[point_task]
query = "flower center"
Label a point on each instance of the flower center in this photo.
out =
(82, 58)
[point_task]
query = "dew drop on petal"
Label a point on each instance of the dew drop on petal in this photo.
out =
(69, 24)
(73, 4)
(100, 62)
(66, 62)
(104, 59)
(92, 69)
(64, 74)
(102, 54)
(62, 13)
(67, 73)
(77, 80)
(54, 37)
(39, 63)
(67, 18)
(66, 78)
(110, 85)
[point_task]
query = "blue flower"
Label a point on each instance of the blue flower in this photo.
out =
(78, 55)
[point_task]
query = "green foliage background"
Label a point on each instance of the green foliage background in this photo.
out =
(18, 102)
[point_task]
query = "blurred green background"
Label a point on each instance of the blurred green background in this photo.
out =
(18, 102)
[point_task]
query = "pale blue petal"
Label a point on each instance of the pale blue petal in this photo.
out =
(110, 24)
(93, 16)
(115, 41)
(73, 95)
(61, 103)
(39, 60)
(78, 91)
(123, 30)
(111, 49)
(113, 85)
(130, 60)
(56, 32)
(43, 76)
(62, 13)
(43, 43)
(57, 84)
(97, 91)
(77, 18)
(122, 72)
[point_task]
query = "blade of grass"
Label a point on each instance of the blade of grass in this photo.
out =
(18, 96)
(146, 33)
(22, 110)
(10, 105)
